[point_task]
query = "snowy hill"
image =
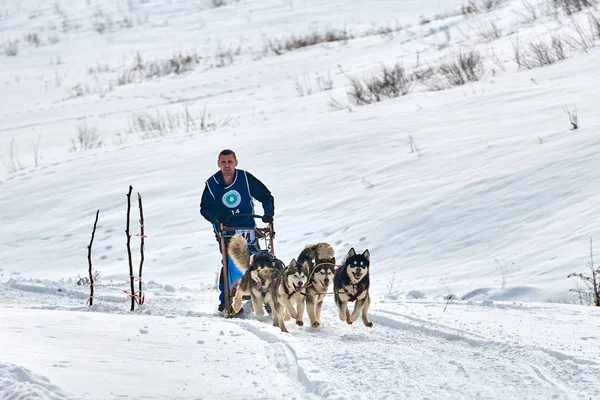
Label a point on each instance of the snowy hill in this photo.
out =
(473, 183)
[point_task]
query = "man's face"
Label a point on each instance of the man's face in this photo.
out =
(227, 165)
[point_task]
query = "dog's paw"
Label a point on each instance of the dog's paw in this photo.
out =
(299, 322)
(349, 322)
(316, 324)
(369, 324)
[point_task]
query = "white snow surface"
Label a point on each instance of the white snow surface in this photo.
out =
(495, 201)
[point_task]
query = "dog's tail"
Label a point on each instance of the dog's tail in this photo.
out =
(319, 251)
(239, 252)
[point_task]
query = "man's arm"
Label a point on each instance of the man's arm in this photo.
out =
(260, 192)
(207, 205)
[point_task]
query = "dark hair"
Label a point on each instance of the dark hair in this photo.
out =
(227, 152)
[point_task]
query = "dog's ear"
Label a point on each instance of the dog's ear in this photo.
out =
(292, 263)
(367, 255)
(332, 260)
(351, 252)
(251, 259)
(306, 265)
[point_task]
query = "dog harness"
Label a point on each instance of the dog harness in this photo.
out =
(354, 297)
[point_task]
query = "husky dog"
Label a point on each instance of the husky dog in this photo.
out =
(259, 272)
(287, 289)
(322, 266)
(351, 283)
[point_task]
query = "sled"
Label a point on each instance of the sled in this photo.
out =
(231, 273)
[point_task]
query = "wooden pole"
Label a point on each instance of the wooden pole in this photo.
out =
(225, 274)
(271, 234)
(142, 237)
(90, 260)
(129, 249)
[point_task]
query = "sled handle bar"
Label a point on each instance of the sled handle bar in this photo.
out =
(255, 216)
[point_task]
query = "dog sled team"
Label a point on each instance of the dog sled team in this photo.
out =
(286, 290)
(303, 284)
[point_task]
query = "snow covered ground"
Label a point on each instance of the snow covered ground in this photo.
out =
(481, 191)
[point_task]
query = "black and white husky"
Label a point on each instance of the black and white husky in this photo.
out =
(260, 270)
(351, 283)
(288, 289)
(321, 262)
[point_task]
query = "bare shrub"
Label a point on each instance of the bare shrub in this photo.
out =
(391, 82)
(87, 138)
(304, 85)
(294, 42)
(505, 270)
(385, 30)
(479, 6)
(489, 5)
(470, 8)
(489, 31)
(531, 12)
(517, 51)
(11, 47)
(573, 118)
(594, 25)
(149, 126)
(590, 292)
(585, 38)
(496, 60)
(140, 69)
(463, 68)
(336, 105)
(452, 71)
(33, 39)
(13, 164)
(80, 90)
(36, 150)
(412, 145)
(224, 57)
(571, 6)
(539, 53)
(324, 82)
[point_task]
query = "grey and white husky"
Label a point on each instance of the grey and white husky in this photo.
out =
(288, 289)
(351, 284)
(321, 261)
(260, 270)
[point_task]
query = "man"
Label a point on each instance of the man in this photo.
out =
(230, 192)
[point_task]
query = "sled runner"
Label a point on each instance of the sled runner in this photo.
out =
(254, 236)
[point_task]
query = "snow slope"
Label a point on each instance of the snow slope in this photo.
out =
(480, 191)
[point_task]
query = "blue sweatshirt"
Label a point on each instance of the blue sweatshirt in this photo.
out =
(221, 199)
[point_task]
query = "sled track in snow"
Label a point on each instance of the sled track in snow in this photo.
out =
(343, 361)
(295, 365)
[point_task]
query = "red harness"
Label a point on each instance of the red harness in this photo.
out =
(354, 297)
(287, 292)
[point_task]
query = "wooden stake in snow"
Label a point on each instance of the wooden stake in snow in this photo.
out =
(129, 250)
(142, 237)
(90, 260)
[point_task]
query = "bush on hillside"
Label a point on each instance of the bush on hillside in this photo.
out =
(389, 83)
(589, 293)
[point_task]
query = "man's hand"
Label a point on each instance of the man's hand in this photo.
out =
(267, 218)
